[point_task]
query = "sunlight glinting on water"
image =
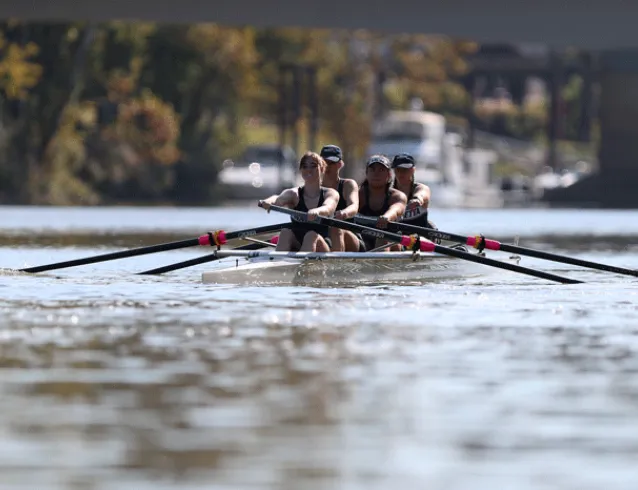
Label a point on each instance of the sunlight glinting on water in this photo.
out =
(112, 380)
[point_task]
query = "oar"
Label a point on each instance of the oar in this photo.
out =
(201, 260)
(410, 241)
(213, 238)
(480, 242)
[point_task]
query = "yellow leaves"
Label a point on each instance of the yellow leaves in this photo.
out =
(227, 47)
(428, 65)
(152, 127)
(18, 73)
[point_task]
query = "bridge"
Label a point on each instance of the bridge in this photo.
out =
(606, 28)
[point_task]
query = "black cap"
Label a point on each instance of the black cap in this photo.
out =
(382, 159)
(331, 153)
(403, 160)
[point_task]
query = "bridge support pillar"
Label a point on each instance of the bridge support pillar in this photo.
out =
(618, 154)
(616, 183)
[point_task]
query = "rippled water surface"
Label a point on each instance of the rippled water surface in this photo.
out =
(112, 380)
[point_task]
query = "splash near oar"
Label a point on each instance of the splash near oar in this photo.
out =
(481, 243)
(414, 242)
(213, 238)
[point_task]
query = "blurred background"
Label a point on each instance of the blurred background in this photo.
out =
(175, 118)
(145, 113)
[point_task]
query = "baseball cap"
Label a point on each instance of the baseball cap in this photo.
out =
(382, 159)
(403, 160)
(331, 153)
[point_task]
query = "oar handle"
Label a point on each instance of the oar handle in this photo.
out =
(337, 223)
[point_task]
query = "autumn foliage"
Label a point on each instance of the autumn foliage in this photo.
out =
(123, 112)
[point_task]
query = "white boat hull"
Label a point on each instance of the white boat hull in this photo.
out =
(340, 269)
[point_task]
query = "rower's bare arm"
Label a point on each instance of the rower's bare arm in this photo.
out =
(422, 194)
(287, 198)
(351, 195)
(398, 201)
(330, 202)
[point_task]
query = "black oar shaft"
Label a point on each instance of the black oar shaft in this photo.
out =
(208, 258)
(404, 240)
(504, 247)
(344, 225)
(199, 260)
(504, 265)
(115, 255)
(568, 260)
(211, 238)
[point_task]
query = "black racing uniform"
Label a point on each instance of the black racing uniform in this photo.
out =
(417, 219)
(300, 228)
(366, 210)
(343, 205)
(412, 217)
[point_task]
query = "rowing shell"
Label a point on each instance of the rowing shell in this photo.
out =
(259, 267)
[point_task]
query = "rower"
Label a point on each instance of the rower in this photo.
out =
(348, 189)
(379, 199)
(312, 198)
(418, 194)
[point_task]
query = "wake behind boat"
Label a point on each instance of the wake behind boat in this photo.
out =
(266, 267)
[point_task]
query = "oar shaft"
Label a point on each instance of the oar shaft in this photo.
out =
(567, 260)
(481, 242)
(197, 261)
(504, 265)
(345, 225)
(214, 238)
(118, 255)
(426, 246)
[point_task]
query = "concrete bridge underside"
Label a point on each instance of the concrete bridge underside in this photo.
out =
(607, 27)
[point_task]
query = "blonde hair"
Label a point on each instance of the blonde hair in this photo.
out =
(312, 157)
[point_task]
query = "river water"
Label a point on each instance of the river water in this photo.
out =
(111, 380)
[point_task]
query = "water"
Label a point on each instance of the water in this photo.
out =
(111, 380)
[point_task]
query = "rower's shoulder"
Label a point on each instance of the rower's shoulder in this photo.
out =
(397, 194)
(291, 194)
(350, 184)
(329, 191)
(291, 191)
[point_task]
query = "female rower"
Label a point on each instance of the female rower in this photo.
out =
(348, 189)
(379, 199)
(312, 198)
(418, 194)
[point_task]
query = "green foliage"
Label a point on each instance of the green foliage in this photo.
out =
(507, 119)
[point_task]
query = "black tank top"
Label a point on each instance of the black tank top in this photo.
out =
(366, 210)
(342, 201)
(301, 206)
(418, 220)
